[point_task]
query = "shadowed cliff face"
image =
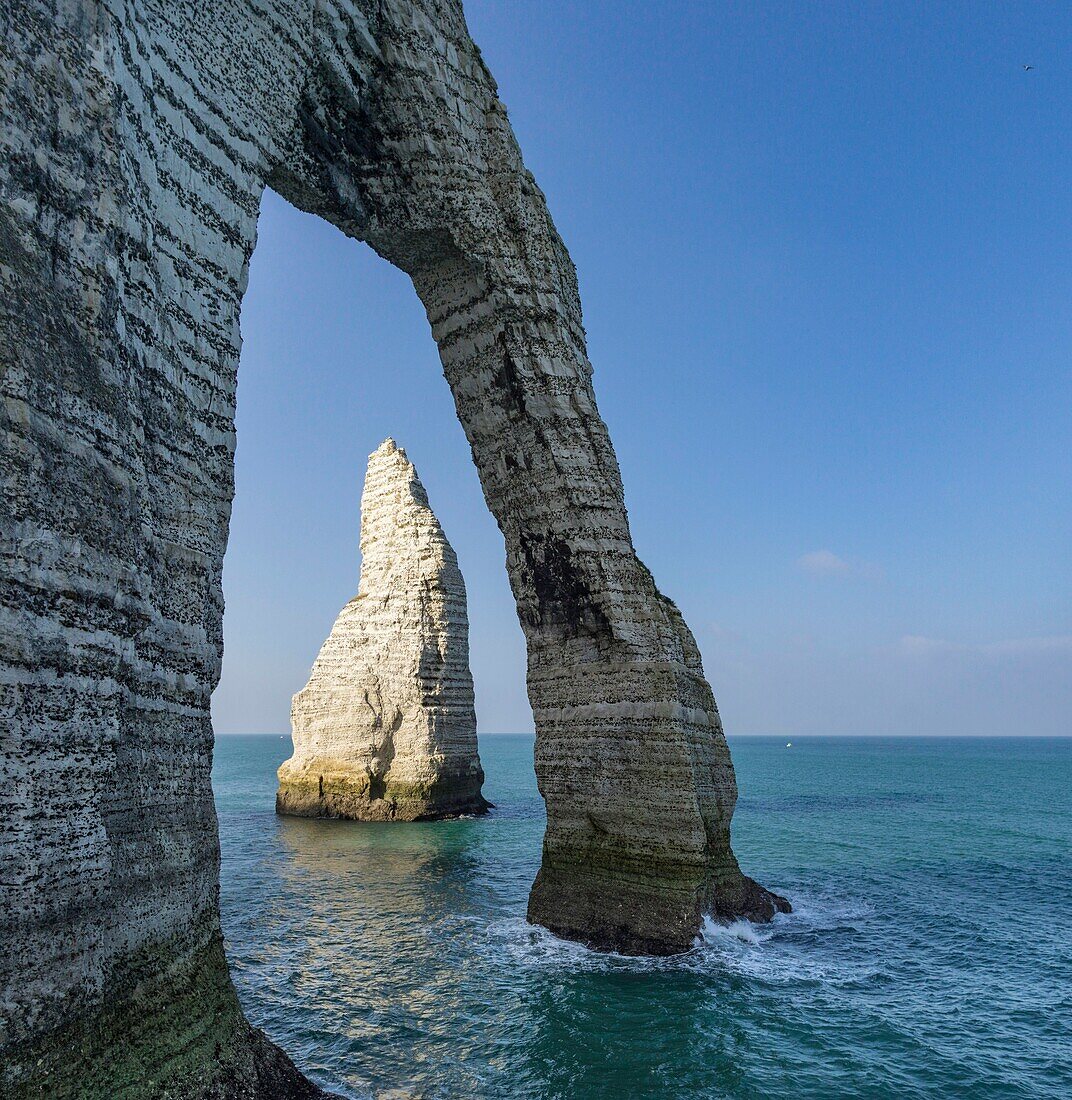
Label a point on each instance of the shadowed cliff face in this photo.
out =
(137, 138)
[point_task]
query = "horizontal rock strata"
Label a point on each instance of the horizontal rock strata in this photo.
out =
(385, 728)
(136, 140)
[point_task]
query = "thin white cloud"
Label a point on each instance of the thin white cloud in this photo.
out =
(916, 645)
(823, 563)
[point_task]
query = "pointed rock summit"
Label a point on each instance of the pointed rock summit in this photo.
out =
(385, 728)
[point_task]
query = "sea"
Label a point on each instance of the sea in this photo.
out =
(929, 953)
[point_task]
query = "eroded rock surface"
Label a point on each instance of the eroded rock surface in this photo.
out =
(136, 140)
(385, 728)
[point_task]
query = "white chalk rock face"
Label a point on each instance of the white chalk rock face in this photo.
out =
(385, 728)
(136, 142)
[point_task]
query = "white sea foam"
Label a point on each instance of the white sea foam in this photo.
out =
(801, 946)
(741, 930)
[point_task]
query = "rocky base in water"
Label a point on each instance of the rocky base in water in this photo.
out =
(166, 1029)
(360, 798)
(646, 919)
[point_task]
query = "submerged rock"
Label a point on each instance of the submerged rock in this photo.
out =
(385, 728)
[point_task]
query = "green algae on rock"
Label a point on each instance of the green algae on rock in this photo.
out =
(169, 1025)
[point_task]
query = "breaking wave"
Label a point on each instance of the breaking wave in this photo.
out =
(799, 946)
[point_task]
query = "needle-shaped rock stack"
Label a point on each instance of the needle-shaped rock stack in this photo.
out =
(385, 728)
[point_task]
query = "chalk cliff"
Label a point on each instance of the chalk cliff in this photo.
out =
(385, 728)
(137, 138)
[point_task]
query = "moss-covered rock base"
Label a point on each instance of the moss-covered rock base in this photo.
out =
(169, 1028)
(361, 798)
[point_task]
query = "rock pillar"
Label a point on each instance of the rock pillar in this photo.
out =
(385, 728)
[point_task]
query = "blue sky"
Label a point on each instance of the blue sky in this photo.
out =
(823, 251)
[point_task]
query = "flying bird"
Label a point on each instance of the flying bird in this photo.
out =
(1028, 68)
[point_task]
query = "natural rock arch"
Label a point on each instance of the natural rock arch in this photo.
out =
(137, 139)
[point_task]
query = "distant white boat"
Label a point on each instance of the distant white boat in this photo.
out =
(789, 744)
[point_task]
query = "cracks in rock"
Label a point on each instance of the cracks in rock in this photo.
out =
(380, 767)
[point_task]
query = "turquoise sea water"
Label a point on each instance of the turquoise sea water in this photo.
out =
(929, 954)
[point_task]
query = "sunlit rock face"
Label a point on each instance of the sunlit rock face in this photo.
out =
(385, 728)
(136, 140)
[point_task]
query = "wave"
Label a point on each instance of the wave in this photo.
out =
(814, 943)
(742, 931)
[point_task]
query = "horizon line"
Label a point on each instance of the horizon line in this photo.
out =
(787, 736)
